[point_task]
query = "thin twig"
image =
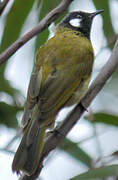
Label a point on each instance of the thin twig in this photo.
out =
(55, 139)
(6, 148)
(3, 5)
(44, 23)
(86, 139)
(13, 139)
(7, 151)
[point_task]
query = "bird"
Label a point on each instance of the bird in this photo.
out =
(60, 79)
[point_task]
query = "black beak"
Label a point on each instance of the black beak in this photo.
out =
(92, 15)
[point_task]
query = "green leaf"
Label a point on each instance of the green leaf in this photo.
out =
(96, 174)
(105, 118)
(112, 85)
(8, 114)
(41, 39)
(13, 25)
(7, 88)
(39, 3)
(76, 152)
(14, 21)
(46, 7)
(107, 24)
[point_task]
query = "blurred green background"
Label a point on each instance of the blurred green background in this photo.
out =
(91, 149)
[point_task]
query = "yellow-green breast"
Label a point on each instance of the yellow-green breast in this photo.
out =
(66, 59)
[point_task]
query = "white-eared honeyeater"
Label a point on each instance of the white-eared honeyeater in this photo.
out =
(60, 78)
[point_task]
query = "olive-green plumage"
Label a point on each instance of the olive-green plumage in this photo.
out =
(60, 78)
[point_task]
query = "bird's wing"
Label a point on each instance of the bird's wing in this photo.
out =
(59, 87)
(33, 92)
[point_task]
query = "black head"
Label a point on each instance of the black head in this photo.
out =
(80, 21)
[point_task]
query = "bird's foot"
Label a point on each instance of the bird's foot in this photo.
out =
(56, 132)
(83, 106)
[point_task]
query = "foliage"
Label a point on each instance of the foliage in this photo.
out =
(14, 20)
(95, 174)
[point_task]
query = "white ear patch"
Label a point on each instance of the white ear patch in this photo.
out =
(75, 22)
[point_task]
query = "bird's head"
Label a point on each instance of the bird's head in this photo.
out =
(80, 21)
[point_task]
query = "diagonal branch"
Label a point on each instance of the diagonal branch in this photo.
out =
(56, 138)
(3, 5)
(44, 23)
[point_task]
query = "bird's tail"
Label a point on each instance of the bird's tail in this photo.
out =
(28, 153)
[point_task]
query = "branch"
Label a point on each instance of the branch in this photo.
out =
(7, 151)
(56, 138)
(6, 148)
(44, 23)
(3, 5)
(13, 139)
